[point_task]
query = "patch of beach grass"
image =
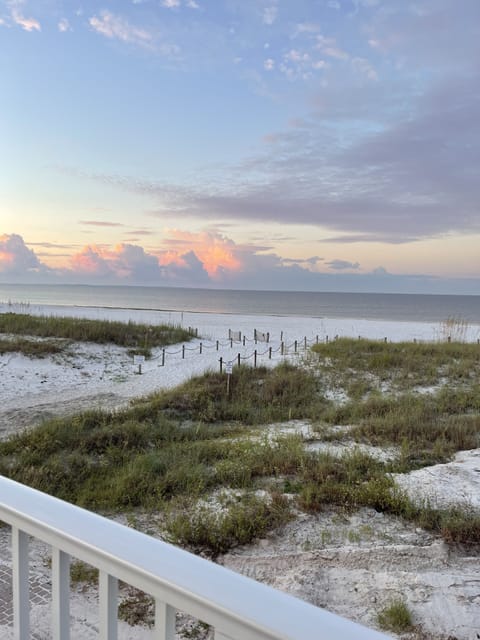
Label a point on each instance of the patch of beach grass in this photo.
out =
(160, 447)
(137, 608)
(428, 428)
(203, 528)
(31, 348)
(358, 366)
(395, 617)
(139, 337)
(82, 573)
(257, 396)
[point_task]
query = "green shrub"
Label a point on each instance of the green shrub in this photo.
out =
(251, 517)
(395, 617)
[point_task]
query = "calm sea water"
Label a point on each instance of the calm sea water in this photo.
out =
(414, 307)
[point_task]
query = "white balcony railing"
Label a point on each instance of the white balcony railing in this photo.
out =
(237, 607)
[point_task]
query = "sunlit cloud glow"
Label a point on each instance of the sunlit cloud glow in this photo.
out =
(215, 252)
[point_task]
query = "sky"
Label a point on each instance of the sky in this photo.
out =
(315, 145)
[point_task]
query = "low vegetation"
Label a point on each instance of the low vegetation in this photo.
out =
(361, 366)
(173, 451)
(138, 337)
(395, 617)
(248, 517)
(31, 348)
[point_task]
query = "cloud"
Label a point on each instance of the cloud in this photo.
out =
(27, 24)
(363, 66)
(64, 25)
(186, 269)
(342, 265)
(270, 14)
(51, 245)
(101, 223)
(178, 264)
(313, 260)
(140, 232)
(171, 4)
(306, 28)
(16, 258)
(329, 47)
(184, 258)
(216, 253)
(125, 262)
(116, 27)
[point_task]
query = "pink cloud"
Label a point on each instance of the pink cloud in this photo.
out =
(125, 262)
(28, 24)
(15, 256)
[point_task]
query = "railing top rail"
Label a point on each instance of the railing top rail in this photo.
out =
(229, 601)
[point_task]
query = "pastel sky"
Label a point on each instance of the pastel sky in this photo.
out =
(257, 144)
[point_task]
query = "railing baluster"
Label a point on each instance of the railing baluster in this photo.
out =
(108, 592)
(21, 604)
(164, 621)
(60, 595)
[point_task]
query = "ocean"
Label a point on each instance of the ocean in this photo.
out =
(368, 306)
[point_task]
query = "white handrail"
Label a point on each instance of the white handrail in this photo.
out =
(236, 606)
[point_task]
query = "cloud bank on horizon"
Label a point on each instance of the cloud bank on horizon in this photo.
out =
(201, 143)
(210, 261)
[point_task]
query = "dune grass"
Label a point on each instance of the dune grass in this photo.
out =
(360, 366)
(131, 335)
(176, 447)
(395, 617)
(31, 348)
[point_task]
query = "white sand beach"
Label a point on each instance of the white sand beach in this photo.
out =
(349, 567)
(105, 377)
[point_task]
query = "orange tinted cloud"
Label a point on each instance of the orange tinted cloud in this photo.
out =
(213, 250)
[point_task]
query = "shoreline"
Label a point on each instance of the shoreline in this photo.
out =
(300, 325)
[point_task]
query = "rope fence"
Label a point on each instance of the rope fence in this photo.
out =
(235, 339)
